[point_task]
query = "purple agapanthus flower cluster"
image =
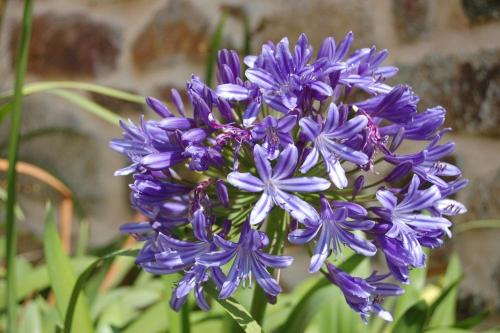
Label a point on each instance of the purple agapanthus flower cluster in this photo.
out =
(298, 138)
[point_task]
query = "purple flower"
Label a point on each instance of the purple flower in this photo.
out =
(407, 222)
(427, 165)
(275, 185)
(194, 279)
(181, 166)
(334, 228)
(228, 67)
(166, 255)
(275, 133)
(423, 126)
(364, 295)
(398, 106)
(285, 81)
(329, 140)
(248, 260)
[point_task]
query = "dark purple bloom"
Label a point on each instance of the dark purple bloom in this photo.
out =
(364, 295)
(329, 140)
(222, 193)
(423, 126)
(249, 260)
(228, 67)
(275, 133)
(334, 229)
(398, 106)
(275, 185)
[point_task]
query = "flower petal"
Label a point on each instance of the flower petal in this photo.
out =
(264, 279)
(387, 199)
(261, 208)
(310, 161)
(335, 172)
(321, 88)
(303, 184)
(260, 77)
(296, 207)
(287, 162)
(245, 181)
(350, 128)
(310, 128)
(450, 207)
(262, 164)
(273, 260)
(286, 123)
(345, 152)
(232, 92)
(321, 251)
(162, 161)
(303, 236)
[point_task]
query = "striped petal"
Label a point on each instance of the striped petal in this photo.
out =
(162, 161)
(303, 184)
(232, 92)
(245, 181)
(287, 162)
(262, 164)
(296, 207)
(261, 208)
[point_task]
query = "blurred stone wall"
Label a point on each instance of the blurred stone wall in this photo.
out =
(448, 50)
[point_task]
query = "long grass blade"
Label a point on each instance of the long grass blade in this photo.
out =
(85, 86)
(87, 105)
(80, 283)
(236, 311)
(295, 321)
(10, 227)
(62, 277)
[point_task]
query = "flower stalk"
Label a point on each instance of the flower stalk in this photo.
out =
(16, 119)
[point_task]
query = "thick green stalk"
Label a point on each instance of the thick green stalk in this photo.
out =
(10, 228)
(276, 224)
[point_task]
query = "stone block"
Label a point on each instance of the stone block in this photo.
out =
(69, 46)
(175, 32)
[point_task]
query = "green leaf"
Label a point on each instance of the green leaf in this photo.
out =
(38, 279)
(62, 277)
(15, 130)
(152, 320)
(174, 318)
(444, 307)
(412, 293)
(215, 44)
(72, 307)
(447, 330)
(87, 105)
(448, 315)
(236, 311)
(312, 300)
(474, 320)
(335, 315)
(413, 320)
(31, 321)
(5, 109)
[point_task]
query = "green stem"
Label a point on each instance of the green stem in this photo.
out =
(10, 228)
(276, 229)
(185, 323)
